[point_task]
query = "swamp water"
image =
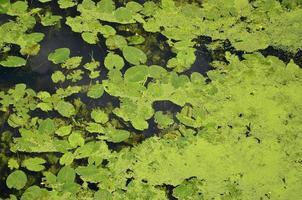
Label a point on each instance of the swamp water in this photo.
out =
(150, 100)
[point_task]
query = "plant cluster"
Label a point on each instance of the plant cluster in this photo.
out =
(236, 135)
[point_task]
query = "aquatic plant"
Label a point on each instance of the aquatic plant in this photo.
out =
(236, 132)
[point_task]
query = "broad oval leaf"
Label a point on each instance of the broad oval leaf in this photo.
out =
(114, 61)
(34, 164)
(16, 180)
(66, 109)
(136, 74)
(59, 55)
(95, 91)
(13, 61)
(134, 55)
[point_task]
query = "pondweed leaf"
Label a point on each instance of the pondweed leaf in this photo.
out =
(49, 20)
(134, 55)
(114, 61)
(163, 120)
(116, 135)
(16, 179)
(66, 109)
(64, 130)
(13, 61)
(72, 63)
(67, 158)
(137, 73)
(58, 76)
(116, 42)
(67, 3)
(47, 126)
(13, 164)
(34, 164)
(90, 38)
(59, 55)
(95, 91)
(76, 139)
(95, 128)
(99, 116)
(66, 175)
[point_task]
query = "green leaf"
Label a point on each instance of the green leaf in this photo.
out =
(67, 159)
(123, 14)
(94, 128)
(58, 76)
(34, 164)
(90, 38)
(72, 63)
(66, 175)
(99, 116)
(134, 55)
(136, 39)
(114, 61)
(13, 61)
(116, 135)
(49, 20)
(116, 42)
(4, 6)
(64, 130)
(66, 109)
(163, 120)
(91, 173)
(13, 164)
(16, 180)
(76, 139)
(44, 1)
(59, 55)
(134, 6)
(137, 74)
(95, 91)
(47, 126)
(67, 3)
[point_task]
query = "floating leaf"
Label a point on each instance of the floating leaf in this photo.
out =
(67, 3)
(95, 91)
(44, 1)
(13, 164)
(13, 61)
(94, 128)
(49, 20)
(66, 175)
(123, 14)
(34, 164)
(66, 109)
(114, 61)
(76, 139)
(59, 55)
(134, 55)
(136, 39)
(67, 158)
(16, 180)
(116, 135)
(99, 116)
(64, 130)
(163, 120)
(47, 126)
(90, 38)
(116, 42)
(72, 63)
(137, 74)
(58, 76)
